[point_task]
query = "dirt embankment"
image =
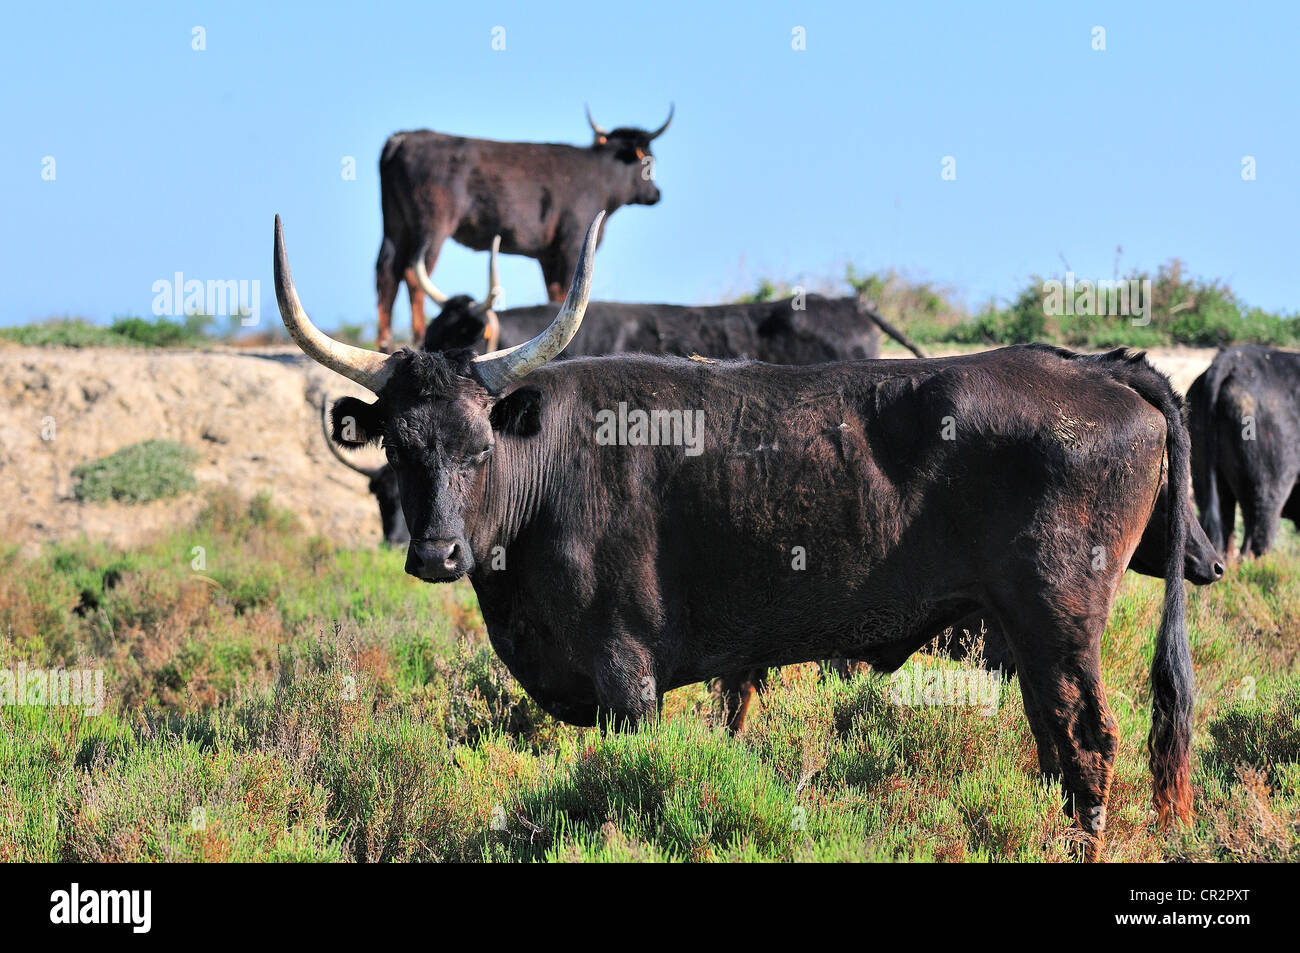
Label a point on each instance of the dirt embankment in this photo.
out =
(252, 416)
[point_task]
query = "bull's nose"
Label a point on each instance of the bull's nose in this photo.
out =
(1219, 570)
(434, 558)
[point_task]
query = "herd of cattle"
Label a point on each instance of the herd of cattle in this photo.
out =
(839, 507)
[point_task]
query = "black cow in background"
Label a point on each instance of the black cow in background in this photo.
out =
(1245, 430)
(383, 486)
(538, 196)
(807, 329)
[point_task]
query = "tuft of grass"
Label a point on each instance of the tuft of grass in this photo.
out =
(190, 331)
(1261, 733)
(676, 790)
(138, 473)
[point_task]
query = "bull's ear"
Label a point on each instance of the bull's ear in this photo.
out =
(355, 422)
(518, 413)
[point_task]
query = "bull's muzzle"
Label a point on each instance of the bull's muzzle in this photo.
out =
(438, 560)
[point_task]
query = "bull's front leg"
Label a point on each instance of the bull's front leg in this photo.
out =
(627, 689)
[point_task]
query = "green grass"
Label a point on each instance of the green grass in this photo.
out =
(62, 332)
(137, 473)
(191, 331)
(295, 701)
(1184, 310)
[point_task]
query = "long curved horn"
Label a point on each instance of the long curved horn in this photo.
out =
(365, 367)
(672, 107)
(598, 130)
(422, 276)
(486, 307)
(334, 449)
(499, 369)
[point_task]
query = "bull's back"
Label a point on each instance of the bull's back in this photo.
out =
(828, 330)
(863, 500)
(1257, 414)
(481, 187)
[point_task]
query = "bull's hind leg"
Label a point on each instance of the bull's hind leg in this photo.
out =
(1261, 511)
(413, 290)
(387, 274)
(1292, 508)
(416, 294)
(556, 270)
(1059, 660)
(1049, 760)
(1227, 518)
(736, 691)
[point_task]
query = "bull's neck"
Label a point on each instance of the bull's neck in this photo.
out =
(521, 482)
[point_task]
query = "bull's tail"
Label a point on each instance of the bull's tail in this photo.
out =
(873, 315)
(1207, 398)
(1172, 680)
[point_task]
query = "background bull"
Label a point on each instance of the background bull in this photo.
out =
(382, 483)
(1245, 429)
(537, 196)
(808, 329)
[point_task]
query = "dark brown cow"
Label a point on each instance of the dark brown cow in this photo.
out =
(537, 196)
(610, 572)
(1245, 428)
(803, 329)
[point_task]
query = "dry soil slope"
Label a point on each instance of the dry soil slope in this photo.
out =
(251, 417)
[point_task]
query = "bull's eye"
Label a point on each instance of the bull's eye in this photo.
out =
(483, 454)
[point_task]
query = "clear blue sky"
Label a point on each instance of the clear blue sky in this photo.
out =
(780, 163)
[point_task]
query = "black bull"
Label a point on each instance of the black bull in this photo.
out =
(1245, 429)
(809, 329)
(537, 196)
(921, 491)
(816, 330)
